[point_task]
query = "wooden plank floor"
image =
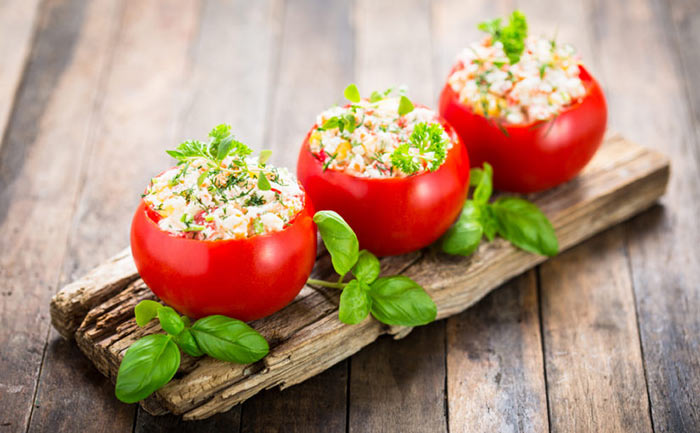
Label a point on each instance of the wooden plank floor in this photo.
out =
(605, 337)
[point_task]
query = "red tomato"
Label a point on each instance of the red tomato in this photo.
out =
(536, 156)
(391, 215)
(242, 278)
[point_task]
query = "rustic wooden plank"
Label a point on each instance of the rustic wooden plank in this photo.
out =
(495, 368)
(134, 122)
(662, 244)
(397, 386)
(622, 180)
(18, 22)
(495, 373)
(400, 385)
(311, 406)
(315, 63)
(595, 378)
(38, 185)
(581, 353)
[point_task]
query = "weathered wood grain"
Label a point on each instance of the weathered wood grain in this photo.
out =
(313, 65)
(595, 379)
(397, 386)
(495, 371)
(495, 380)
(18, 22)
(38, 185)
(662, 245)
(580, 297)
(128, 138)
(621, 181)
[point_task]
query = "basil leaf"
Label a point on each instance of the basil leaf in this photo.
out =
(524, 225)
(351, 93)
(367, 267)
(488, 221)
(224, 148)
(483, 183)
(187, 343)
(147, 365)
(170, 321)
(375, 97)
(405, 106)
(264, 156)
(263, 183)
(331, 123)
(229, 339)
(340, 240)
(401, 301)
(464, 237)
(145, 311)
(354, 303)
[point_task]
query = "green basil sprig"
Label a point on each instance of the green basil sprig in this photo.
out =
(395, 300)
(515, 219)
(153, 360)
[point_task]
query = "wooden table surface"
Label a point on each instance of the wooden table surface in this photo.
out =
(603, 338)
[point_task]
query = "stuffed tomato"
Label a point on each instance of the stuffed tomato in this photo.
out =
(231, 236)
(537, 117)
(398, 178)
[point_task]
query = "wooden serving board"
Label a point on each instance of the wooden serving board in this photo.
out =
(306, 337)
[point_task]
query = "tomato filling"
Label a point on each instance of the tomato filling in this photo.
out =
(538, 87)
(371, 139)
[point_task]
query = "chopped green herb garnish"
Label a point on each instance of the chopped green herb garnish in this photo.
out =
(511, 36)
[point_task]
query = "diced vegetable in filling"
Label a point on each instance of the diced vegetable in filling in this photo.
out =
(371, 139)
(544, 81)
(214, 194)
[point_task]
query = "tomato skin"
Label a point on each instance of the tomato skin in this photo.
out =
(242, 278)
(536, 156)
(391, 215)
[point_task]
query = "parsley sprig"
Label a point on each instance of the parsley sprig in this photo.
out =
(430, 141)
(511, 36)
(221, 144)
(394, 300)
(515, 219)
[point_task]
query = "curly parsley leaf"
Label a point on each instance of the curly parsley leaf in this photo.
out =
(431, 147)
(221, 144)
(402, 159)
(511, 36)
